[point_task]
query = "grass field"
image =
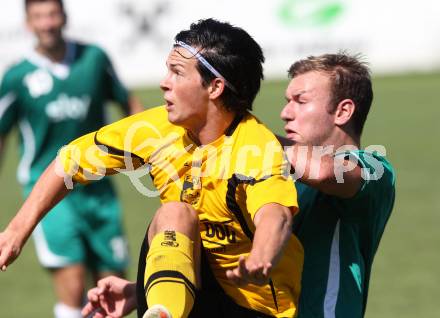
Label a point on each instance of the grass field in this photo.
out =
(406, 273)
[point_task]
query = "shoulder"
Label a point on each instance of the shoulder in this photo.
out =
(14, 75)
(253, 132)
(376, 167)
(90, 47)
(155, 117)
(89, 50)
(137, 129)
(257, 150)
(377, 173)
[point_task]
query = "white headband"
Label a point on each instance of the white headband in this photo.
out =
(202, 60)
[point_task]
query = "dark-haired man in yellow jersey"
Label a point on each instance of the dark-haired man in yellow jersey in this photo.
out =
(222, 183)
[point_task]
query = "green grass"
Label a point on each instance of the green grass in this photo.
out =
(406, 270)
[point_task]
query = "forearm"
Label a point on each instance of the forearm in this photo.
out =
(131, 297)
(310, 164)
(47, 192)
(273, 229)
(319, 168)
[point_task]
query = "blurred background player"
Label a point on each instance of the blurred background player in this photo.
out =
(57, 93)
(345, 194)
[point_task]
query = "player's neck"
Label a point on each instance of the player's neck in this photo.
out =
(56, 53)
(215, 126)
(341, 139)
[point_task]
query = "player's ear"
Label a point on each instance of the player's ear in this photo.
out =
(216, 88)
(344, 112)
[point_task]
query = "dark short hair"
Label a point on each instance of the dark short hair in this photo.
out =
(234, 54)
(350, 78)
(27, 3)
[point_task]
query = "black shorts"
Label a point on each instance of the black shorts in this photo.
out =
(211, 301)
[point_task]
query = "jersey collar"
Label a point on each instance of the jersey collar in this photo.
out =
(61, 69)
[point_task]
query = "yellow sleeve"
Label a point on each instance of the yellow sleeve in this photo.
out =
(85, 160)
(274, 189)
(269, 167)
(124, 145)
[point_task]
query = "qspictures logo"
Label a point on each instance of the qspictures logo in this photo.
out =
(310, 13)
(174, 162)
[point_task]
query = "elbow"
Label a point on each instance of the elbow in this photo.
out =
(275, 214)
(326, 173)
(321, 179)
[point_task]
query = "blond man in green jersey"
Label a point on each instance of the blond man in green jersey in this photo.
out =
(345, 194)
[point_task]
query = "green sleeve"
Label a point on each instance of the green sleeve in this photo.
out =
(116, 90)
(378, 175)
(374, 200)
(8, 105)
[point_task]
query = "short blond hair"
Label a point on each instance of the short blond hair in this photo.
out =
(350, 78)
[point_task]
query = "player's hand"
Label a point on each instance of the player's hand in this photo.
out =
(249, 271)
(114, 297)
(10, 248)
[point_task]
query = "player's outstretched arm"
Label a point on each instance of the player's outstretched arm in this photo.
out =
(47, 192)
(320, 169)
(113, 297)
(273, 229)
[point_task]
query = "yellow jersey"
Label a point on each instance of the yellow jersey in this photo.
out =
(226, 182)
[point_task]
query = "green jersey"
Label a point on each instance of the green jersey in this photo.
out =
(54, 103)
(340, 237)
